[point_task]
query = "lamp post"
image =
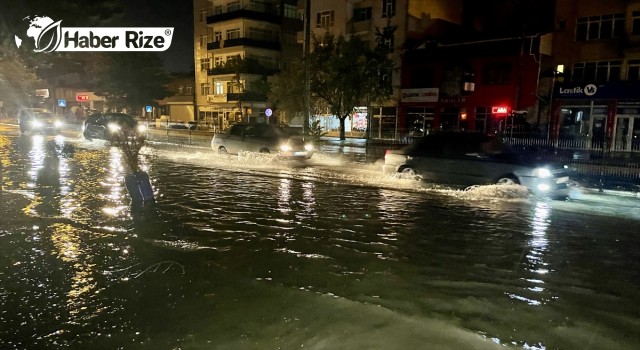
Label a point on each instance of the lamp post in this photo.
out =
(307, 67)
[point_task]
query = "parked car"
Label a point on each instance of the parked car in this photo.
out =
(39, 120)
(105, 126)
(475, 159)
(263, 138)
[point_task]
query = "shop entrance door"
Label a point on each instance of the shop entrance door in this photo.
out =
(626, 135)
(599, 128)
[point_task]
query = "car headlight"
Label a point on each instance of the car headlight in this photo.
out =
(542, 172)
(308, 147)
(58, 123)
(113, 127)
(36, 124)
(285, 148)
(142, 128)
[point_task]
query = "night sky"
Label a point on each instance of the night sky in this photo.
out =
(167, 13)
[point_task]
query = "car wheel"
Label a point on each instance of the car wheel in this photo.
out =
(264, 150)
(222, 150)
(86, 135)
(507, 180)
(408, 171)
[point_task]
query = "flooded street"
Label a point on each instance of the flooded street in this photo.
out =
(253, 252)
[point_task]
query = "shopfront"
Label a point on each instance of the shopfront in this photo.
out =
(605, 116)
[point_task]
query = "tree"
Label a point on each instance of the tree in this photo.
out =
(286, 92)
(133, 80)
(17, 81)
(347, 73)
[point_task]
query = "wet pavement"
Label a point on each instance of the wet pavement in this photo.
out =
(253, 252)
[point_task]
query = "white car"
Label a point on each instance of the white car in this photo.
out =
(476, 159)
(262, 138)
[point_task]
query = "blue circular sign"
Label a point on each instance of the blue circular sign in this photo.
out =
(268, 112)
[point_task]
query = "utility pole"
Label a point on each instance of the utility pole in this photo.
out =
(307, 67)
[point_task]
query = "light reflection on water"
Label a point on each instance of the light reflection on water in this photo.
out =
(284, 259)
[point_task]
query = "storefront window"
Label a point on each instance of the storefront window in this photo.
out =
(419, 121)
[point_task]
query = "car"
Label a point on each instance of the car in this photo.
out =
(105, 126)
(468, 159)
(39, 120)
(263, 138)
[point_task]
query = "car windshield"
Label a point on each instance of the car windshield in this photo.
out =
(42, 115)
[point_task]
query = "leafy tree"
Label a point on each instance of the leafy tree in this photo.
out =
(287, 93)
(17, 80)
(347, 73)
(133, 80)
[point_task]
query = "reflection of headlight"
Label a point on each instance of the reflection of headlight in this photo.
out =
(58, 123)
(36, 124)
(308, 147)
(542, 172)
(113, 127)
(142, 128)
(285, 148)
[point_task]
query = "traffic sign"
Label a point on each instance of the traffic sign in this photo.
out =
(62, 103)
(268, 112)
(148, 109)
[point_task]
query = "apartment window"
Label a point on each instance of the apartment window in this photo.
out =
(219, 88)
(204, 64)
(264, 61)
(203, 41)
(388, 8)
(180, 89)
(233, 6)
(388, 42)
(218, 61)
(188, 90)
(633, 71)
(217, 10)
(217, 36)
(635, 23)
(261, 34)
(496, 73)
(233, 33)
(203, 16)
(596, 71)
(233, 58)
(290, 11)
(204, 89)
(362, 14)
(234, 87)
(600, 27)
(325, 19)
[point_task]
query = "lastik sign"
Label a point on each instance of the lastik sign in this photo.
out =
(578, 91)
(49, 35)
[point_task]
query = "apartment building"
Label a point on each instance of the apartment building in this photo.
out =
(238, 44)
(596, 73)
(365, 18)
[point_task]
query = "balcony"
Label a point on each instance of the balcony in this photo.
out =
(258, 14)
(244, 66)
(213, 45)
(248, 96)
(259, 43)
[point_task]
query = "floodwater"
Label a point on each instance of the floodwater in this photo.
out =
(252, 252)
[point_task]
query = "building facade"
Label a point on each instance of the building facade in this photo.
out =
(596, 74)
(238, 45)
(365, 18)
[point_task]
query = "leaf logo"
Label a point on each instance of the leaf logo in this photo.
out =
(50, 38)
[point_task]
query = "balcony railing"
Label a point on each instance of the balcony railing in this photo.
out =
(246, 96)
(244, 66)
(256, 13)
(263, 44)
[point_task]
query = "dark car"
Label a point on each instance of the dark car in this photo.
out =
(105, 126)
(475, 159)
(39, 120)
(263, 138)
